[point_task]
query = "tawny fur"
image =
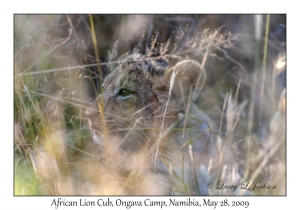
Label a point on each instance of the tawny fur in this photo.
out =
(177, 139)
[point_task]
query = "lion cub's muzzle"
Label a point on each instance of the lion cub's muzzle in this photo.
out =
(99, 121)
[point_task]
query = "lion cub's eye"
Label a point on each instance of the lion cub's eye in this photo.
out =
(124, 93)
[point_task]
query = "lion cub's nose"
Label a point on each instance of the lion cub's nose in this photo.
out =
(92, 111)
(88, 112)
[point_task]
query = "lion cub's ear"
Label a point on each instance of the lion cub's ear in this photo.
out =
(189, 80)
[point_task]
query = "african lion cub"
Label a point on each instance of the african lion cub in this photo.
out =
(147, 118)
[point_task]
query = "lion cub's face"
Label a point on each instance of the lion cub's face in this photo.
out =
(135, 96)
(148, 109)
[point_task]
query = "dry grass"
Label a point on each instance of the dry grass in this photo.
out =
(58, 72)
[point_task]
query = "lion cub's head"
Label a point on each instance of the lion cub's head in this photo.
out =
(135, 95)
(148, 107)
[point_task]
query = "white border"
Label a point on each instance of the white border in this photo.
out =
(7, 200)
